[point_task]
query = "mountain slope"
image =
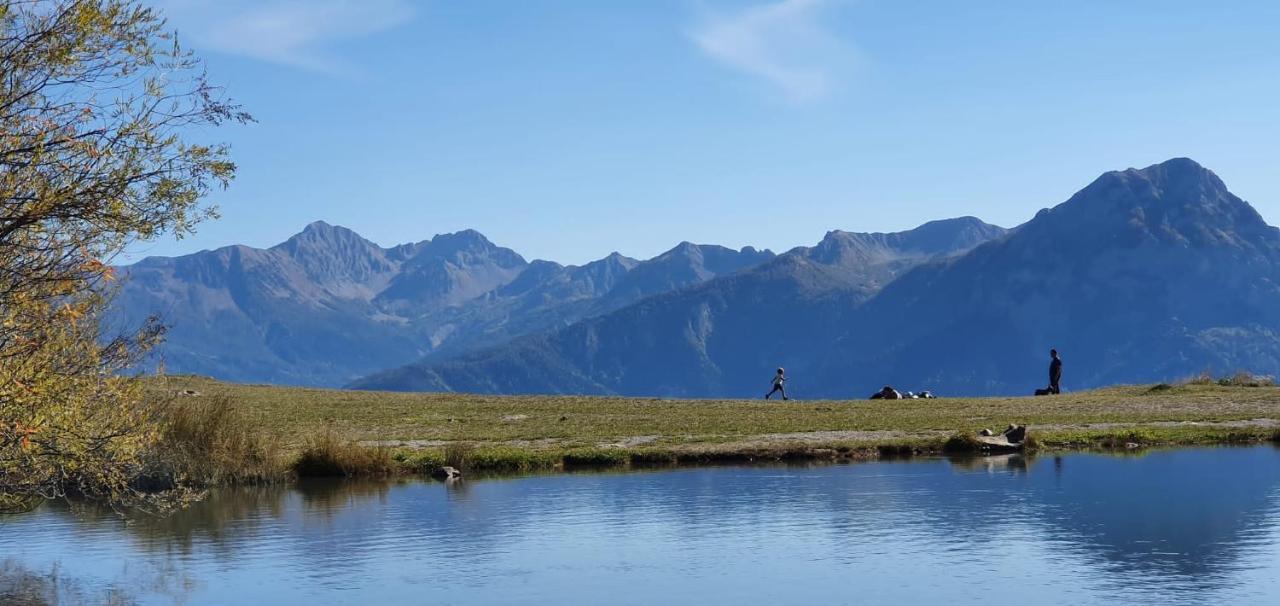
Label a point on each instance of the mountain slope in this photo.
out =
(328, 306)
(556, 296)
(312, 310)
(707, 339)
(1144, 275)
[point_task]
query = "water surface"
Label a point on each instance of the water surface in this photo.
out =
(1189, 526)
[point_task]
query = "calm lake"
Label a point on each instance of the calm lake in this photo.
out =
(1187, 526)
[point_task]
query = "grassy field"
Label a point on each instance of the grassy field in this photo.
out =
(520, 432)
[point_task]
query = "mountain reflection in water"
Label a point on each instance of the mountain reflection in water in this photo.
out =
(1184, 526)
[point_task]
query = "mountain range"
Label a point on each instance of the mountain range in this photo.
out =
(327, 306)
(1144, 275)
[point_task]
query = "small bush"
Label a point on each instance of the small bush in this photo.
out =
(326, 454)
(458, 454)
(210, 441)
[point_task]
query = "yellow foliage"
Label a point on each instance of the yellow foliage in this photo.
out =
(78, 185)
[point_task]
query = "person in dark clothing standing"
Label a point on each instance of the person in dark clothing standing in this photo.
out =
(778, 380)
(1055, 372)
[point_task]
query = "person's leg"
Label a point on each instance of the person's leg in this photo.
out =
(784, 392)
(775, 388)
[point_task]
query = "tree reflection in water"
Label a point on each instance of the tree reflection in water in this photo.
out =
(1172, 524)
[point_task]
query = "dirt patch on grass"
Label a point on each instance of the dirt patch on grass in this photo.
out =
(631, 442)
(814, 437)
(417, 444)
(410, 444)
(844, 436)
(1239, 424)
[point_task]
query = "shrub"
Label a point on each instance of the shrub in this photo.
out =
(104, 122)
(458, 454)
(209, 441)
(326, 454)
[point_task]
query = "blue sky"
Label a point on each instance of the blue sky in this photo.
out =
(570, 129)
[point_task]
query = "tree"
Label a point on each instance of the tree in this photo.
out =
(98, 105)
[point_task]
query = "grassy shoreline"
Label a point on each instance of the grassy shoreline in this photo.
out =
(381, 433)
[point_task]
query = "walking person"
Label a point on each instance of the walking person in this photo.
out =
(778, 380)
(1055, 372)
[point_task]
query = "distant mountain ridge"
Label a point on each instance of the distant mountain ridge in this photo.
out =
(703, 339)
(1144, 275)
(328, 306)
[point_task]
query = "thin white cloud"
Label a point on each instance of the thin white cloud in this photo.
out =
(298, 33)
(783, 42)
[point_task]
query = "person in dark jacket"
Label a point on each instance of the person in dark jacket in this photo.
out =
(1055, 372)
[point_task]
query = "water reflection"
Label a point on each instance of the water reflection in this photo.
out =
(1168, 527)
(21, 585)
(1172, 517)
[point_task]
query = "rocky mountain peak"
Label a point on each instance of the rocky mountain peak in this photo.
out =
(615, 262)
(337, 258)
(466, 247)
(320, 234)
(1175, 202)
(467, 238)
(685, 249)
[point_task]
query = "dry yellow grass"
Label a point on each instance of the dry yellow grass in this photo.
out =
(1178, 414)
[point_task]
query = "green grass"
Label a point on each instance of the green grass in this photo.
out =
(522, 433)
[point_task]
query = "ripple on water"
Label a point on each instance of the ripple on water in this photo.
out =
(1178, 527)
